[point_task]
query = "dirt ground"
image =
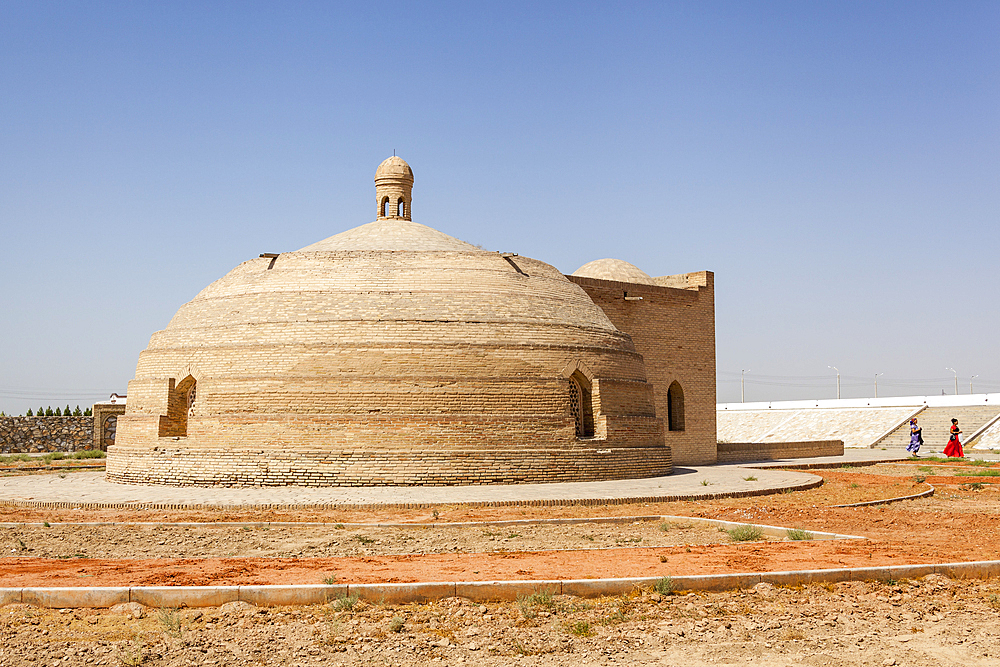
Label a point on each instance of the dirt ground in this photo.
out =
(933, 621)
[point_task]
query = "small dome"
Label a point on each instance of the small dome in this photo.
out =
(614, 269)
(394, 167)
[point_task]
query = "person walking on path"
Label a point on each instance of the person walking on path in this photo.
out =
(916, 439)
(954, 448)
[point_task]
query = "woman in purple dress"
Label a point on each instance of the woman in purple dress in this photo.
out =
(916, 439)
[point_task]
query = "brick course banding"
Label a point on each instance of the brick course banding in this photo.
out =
(393, 354)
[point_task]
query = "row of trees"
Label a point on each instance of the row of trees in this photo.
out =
(49, 412)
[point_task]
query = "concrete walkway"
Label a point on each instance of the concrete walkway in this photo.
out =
(90, 490)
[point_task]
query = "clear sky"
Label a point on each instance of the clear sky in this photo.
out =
(836, 164)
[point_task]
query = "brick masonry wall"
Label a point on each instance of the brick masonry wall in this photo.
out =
(406, 467)
(386, 353)
(674, 330)
(31, 435)
(737, 452)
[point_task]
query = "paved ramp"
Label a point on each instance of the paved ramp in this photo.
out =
(857, 427)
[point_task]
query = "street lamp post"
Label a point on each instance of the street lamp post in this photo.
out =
(876, 383)
(838, 380)
(970, 382)
(742, 394)
(956, 379)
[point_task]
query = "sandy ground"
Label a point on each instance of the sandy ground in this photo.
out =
(68, 541)
(932, 621)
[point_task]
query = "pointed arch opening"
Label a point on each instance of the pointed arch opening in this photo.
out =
(180, 407)
(384, 207)
(675, 407)
(401, 208)
(582, 404)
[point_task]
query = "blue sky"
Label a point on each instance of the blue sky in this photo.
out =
(836, 164)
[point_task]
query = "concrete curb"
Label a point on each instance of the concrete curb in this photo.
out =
(547, 502)
(869, 503)
(764, 465)
(477, 591)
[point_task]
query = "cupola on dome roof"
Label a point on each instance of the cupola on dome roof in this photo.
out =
(393, 185)
(389, 354)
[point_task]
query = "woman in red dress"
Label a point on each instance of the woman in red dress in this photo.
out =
(954, 448)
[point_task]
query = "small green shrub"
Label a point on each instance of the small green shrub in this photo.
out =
(704, 482)
(666, 527)
(664, 586)
(131, 653)
(364, 539)
(579, 628)
(331, 580)
(799, 534)
(397, 624)
(345, 602)
(749, 478)
(529, 604)
(89, 454)
(745, 533)
(169, 621)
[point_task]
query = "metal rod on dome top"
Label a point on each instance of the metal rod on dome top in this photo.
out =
(742, 394)
(956, 379)
(876, 383)
(838, 380)
(970, 382)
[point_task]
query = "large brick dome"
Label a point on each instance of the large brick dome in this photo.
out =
(389, 354)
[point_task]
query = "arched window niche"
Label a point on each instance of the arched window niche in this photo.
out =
(180, 406)
(385, 207)
(675, 407)
(582, 404)
(401, 208)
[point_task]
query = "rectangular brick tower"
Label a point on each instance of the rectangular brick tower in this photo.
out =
(672, 325)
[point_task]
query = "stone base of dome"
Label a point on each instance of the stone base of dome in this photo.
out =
(255, 468)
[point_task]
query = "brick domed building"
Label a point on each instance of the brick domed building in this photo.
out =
(393, 354)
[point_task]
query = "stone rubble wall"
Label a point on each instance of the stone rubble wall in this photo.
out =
(36, 435)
